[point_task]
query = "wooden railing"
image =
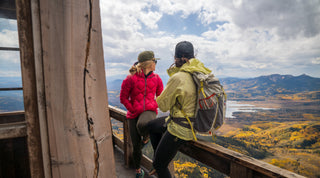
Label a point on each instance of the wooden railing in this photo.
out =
(226, 161)
(12, 125)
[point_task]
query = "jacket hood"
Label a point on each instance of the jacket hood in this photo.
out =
(194, 65)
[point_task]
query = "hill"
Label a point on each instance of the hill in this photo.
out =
(271, 85)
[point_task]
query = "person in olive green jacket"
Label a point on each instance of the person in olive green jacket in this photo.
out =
(180, 92)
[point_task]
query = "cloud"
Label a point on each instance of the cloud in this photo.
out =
(244, 35)
(316, 60)
(9, 38)
(233, 38)
(288, 17)
(10, 64)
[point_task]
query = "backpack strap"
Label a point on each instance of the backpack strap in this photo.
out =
(188, 119)
(181, 121)
(193, 133)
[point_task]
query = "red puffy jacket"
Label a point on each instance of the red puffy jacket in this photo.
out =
(138, 93)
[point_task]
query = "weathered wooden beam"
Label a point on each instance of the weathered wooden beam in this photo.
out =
(8, 117)
(128, 147)
(206, 156)
(231, 162)
(120, 115)
(24, 21)
(117, 141)
(9, 89)
(9, 48)
(37, 46)
(79, 128)
(117, 114)
(13, 130)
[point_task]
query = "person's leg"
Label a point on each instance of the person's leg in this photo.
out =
(136, 142)
(156, 129)
(143, 121)
(165, 152)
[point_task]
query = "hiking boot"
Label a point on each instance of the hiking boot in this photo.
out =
(140, 175)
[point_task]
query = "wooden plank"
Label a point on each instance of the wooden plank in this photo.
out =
(79, 129)
(117, 141)
(229, 156)
(9, 89)
(9, 117)
(24, 21)
(145, 161)
(117, 113)
(40, 87)
(239, 171)
(128, 147)
(9, 49)
(13, 130)
(207, 157)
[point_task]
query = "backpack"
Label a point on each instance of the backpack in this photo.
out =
(211, 105)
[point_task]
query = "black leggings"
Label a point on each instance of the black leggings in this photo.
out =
(165, 145)
(138, 127)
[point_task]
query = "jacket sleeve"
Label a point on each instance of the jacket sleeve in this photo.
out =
(160, 87)
(168, 96)
(125, 91)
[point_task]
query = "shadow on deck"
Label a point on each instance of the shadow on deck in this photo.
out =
(121, 169)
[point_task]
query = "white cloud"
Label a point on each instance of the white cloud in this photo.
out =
(244, 38)
(316, 60)
(9, 38)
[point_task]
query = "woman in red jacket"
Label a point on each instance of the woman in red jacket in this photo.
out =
(138, 93)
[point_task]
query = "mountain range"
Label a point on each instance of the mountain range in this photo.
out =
(236, 88)
(258, 88)
(270, 85)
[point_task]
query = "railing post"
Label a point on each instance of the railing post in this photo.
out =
(128, 148)
(239, 171)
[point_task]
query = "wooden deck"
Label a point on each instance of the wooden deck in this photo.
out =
(121, 169)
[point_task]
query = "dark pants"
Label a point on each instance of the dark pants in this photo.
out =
(138, 127)
(165, 145)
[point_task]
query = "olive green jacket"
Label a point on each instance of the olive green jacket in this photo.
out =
(181, 87)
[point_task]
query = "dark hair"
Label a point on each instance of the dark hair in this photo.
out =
(184, 49)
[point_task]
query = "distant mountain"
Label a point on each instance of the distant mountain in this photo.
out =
(271, 85)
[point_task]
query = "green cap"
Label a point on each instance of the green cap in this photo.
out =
(146, 55)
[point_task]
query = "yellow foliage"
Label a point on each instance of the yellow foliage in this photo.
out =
(284, 163)
(180, 167)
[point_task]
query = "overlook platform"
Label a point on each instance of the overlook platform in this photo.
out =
(226, 161)
(121, 169)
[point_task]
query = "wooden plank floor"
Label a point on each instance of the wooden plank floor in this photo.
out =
(121, 170)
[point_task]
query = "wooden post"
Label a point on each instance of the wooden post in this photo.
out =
(29, 87)
(79, 130)
(37, 45)
(72, 81)
(239, 171)
(128, 147)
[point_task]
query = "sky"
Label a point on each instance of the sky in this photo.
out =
(233, 38)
